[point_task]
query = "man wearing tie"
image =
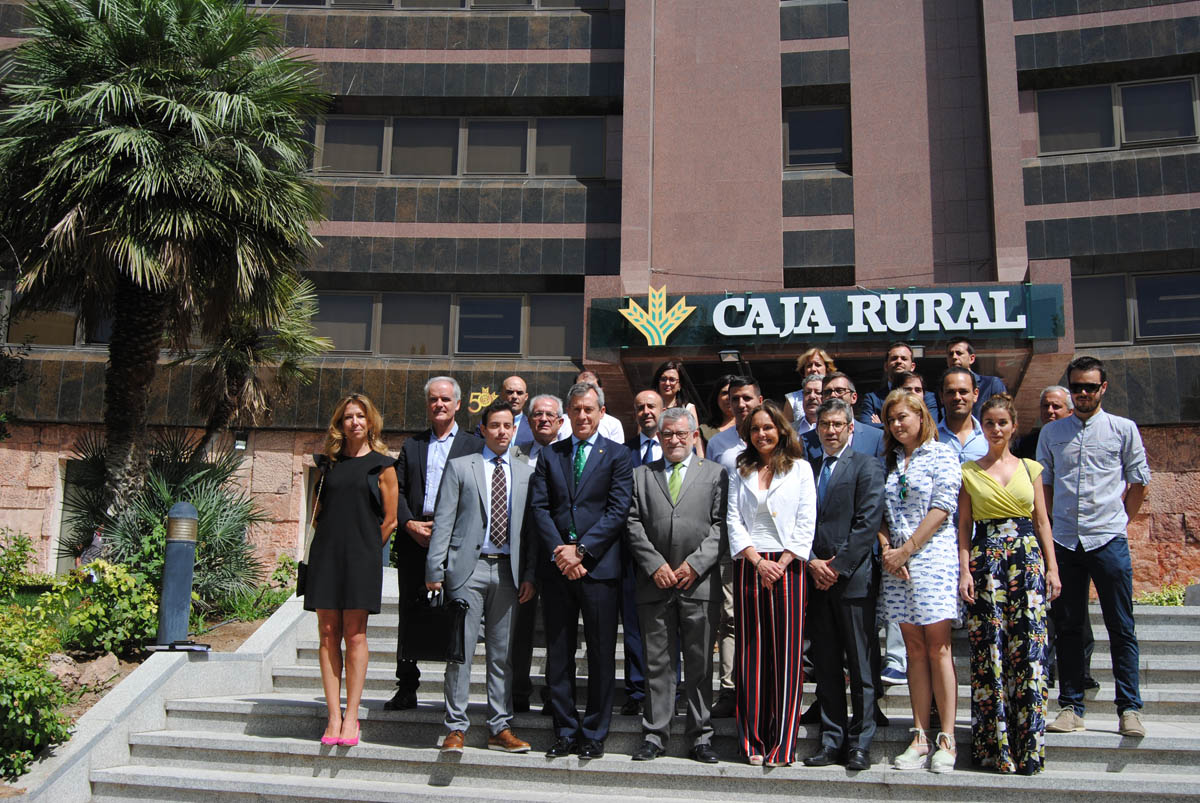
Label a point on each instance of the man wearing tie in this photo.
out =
(644, 448)
(546, 417)
(676, 536)
(419, 471)
(580, 497)
(864, 440)
(478, 554)
(843, 584)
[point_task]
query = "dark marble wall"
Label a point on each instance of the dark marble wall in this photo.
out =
(555, 256)
(1112, 43)
(1113, 234)
(1113, 174)
(809, 20)
(1040, 9)
(817, 192)
(815, 68)
(822, 248)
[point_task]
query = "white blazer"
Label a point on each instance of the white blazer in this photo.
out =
(792, 500)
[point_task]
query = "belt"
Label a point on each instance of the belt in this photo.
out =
(494, 557)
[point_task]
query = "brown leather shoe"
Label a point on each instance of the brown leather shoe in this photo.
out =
(507, 741)
(453, 742)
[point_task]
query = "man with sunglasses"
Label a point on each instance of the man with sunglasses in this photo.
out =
(1095, 478)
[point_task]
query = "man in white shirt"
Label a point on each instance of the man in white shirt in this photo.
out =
(610, 425)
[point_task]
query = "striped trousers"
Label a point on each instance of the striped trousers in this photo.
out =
(766, 664)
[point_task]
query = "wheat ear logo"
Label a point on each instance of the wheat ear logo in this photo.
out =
(655, 322)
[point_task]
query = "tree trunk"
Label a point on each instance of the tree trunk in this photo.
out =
(139, 317)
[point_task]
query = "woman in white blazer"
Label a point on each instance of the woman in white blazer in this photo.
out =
(772, 514)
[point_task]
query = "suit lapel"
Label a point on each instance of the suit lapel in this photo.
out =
(595, 455)
(689, 478)
(481, 480)
(844, 469)
(564, 459)
(423, 455)
(660, 474)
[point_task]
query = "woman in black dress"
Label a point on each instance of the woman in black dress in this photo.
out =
(356, 513)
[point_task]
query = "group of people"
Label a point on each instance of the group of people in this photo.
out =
(781, 534)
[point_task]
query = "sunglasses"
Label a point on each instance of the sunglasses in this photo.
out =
(903, 487)
(1085, 387)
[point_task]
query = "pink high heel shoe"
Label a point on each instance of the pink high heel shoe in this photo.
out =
(351, 742)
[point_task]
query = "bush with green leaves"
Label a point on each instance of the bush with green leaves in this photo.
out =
(31, 698)
(180, 471)
(16, 553)
(101, 607)
(1171, 595)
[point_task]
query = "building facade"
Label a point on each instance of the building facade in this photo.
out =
(533, 186)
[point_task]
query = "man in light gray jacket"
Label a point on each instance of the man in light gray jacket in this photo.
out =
(676, 536)
(477, 554)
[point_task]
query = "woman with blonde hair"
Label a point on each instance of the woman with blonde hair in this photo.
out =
(772, 513)
(355, 514)
(813, 361)
(1008, 572)
(920, 561)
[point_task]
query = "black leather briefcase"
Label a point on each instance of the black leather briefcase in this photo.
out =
(433, 629)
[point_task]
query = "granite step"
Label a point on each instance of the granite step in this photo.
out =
(482, 773)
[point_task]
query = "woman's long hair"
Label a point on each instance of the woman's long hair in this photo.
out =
(715, 417)
(335, 439)
(915, 404)
(787, 452)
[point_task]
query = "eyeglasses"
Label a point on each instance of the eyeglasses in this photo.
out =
(832, 426)
(664, 435)
(835, 393)
(1085, 387)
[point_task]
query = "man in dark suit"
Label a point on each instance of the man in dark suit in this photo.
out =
(676, 535)
(419, 471)
(580, 497)
(843, 585)
(898, 360)
(865, 440)
(961, 354)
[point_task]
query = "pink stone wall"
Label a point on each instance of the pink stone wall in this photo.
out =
(1164, 539)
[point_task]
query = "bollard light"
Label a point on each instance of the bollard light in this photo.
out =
(179, 561)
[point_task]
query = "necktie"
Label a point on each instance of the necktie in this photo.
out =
(580, 459)
(499, 504)
(646, 456)
(826, 470)
(675, 481)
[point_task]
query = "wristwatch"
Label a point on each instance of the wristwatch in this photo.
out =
(581, 550)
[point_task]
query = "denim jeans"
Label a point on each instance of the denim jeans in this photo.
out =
(1110, 569)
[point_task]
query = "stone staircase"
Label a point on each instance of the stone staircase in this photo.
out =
(263, 746)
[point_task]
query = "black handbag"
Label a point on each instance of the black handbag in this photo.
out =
(433, 629)
(302, 566)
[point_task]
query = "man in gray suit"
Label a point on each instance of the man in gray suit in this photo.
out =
(676, 535)
(476, 553)
(843, 586)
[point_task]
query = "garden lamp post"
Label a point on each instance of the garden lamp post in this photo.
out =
(178, 563)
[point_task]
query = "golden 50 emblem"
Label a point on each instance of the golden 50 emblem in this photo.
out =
(481, 398)
(655, 322)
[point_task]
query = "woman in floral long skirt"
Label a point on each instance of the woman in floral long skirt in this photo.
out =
(1008, 574)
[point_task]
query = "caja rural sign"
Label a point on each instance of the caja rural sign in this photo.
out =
(1008, 311)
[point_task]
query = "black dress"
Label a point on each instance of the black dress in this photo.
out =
(345, 563)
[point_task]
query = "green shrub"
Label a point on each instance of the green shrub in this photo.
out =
(31, 698)
(101, 607)
(1171, 595)
(249, 606)
(136, 536)
(16, 552)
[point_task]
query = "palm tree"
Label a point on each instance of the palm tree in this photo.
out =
(238, 368)
(152, 172)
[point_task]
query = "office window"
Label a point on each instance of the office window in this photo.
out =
(555, 326)
(1079, 119)
(1167, 305)
(415, 324)
(817, 136)
(353, 146)
(1157, 112)
(1101, 313)
(346, 320)
(425, 146)
(43, 328)
(497, 146)
(570, 146)
(489, 325)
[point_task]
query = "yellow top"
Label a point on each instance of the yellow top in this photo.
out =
(991, 500)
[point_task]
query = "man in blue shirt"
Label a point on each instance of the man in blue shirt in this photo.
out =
(961, 354)
(959, 428)
(899, 359)
(1095, 476)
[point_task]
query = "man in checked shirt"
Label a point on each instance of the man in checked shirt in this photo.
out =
(1095, 477)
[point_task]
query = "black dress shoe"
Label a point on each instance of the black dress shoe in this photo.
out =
(520, 705)
(858, 759)
(812, 716)
(631, 707)
(725, 706)
(591, 748)
(1090, 683)
(824, 757)
(648, 751)
(562, 747)
(401, 700)
(704, 754)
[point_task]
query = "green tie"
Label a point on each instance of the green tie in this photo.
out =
(580, 459)
(674, 482)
